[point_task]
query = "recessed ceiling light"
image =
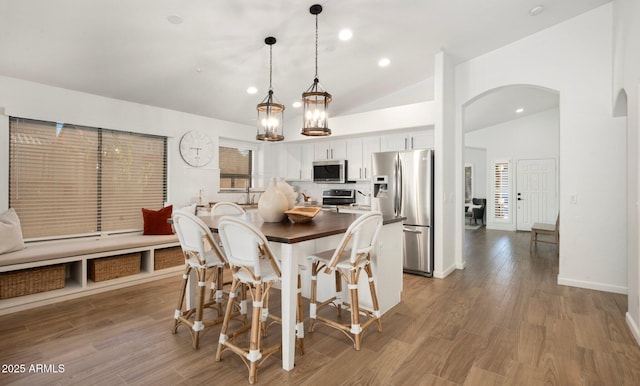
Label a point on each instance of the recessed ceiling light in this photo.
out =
(535, 11)
(252, 90)
(384, 62)
(296, 104)
(345, 34)
(519, 110)
(174, 19)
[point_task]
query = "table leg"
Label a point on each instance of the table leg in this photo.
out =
(288, 292)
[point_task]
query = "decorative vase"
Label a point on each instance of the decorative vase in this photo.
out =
(288, 192)
(272, 203)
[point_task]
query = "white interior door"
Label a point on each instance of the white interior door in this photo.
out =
(536, 192)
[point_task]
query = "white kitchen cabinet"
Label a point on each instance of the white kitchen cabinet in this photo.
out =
(306, 166)
(359, 152)
(422, 140)
(292, 161)
(407, 141)
(298, 159)
(325, 150)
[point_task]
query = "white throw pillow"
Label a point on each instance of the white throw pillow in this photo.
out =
(10, 232)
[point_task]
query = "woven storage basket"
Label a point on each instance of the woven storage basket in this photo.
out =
(31, 280)
(167, 257)
(107, 268)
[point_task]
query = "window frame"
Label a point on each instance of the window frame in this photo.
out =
(240, 146)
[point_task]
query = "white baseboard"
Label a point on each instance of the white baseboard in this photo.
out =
(633, 327)
(445, 273)
(593, 285)
(501, 227)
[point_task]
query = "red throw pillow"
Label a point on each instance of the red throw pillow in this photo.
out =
(155, 221)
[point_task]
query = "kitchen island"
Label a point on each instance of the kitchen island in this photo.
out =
(292, 243)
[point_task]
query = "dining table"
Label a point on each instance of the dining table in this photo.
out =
(295, 241)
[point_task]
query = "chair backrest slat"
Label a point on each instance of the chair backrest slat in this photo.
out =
(195, 237)
(222, 208)
(245, 245)
(360, 237)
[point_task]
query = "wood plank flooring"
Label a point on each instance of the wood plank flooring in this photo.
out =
(502, 320)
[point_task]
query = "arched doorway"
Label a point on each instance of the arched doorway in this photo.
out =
(518, 128)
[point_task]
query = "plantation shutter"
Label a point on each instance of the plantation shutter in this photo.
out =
(501, 191)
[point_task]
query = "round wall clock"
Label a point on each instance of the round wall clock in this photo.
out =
(196, 148)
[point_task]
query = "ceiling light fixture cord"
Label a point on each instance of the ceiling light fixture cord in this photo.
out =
(270, 65)
(316, 48)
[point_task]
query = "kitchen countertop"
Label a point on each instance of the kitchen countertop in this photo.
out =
(325, 223)
(356, 207)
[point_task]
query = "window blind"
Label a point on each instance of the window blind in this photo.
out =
(235, 168)
(69, 180)
(501, 191)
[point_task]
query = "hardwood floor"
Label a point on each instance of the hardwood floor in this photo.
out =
(500, 321)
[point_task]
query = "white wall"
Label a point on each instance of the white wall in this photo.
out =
(477, 158)
(573, 58)
(448, 183)
(37, 101)
(535, 136)
(626, 76)
(413, 115)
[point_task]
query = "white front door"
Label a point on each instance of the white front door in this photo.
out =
(536, 192)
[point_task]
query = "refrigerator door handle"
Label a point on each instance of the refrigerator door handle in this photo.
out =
(396, 199)
(400, 186)
(408, 230)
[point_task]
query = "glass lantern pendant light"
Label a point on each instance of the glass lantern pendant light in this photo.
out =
(315, 100)
(270, 113)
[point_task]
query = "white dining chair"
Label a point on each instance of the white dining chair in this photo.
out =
(351, 257)
(203, 257)
(252, 264)
(222, 208)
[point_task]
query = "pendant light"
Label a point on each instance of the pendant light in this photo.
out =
(270, 113)
(315, 100)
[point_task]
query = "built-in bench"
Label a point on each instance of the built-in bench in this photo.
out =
(159, 256)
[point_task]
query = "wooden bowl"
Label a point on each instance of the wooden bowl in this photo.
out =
(302, 214)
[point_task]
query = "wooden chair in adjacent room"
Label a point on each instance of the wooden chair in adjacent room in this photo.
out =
(548, 231)
(202, 256)
(351, 257)
(252, 264)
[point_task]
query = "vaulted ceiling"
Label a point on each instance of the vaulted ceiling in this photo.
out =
(200, 56)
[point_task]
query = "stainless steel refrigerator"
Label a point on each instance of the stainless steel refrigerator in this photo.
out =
(403, 186)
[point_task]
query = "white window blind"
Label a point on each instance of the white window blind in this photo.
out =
(501, 191)
(68, 180)
(235, 167)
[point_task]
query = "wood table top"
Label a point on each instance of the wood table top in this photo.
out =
(325, 223)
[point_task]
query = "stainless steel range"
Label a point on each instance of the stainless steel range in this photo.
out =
(333, 197)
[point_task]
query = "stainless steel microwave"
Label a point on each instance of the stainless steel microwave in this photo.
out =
(330, 171)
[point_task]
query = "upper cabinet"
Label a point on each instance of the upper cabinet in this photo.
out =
(324, 150)
(359, 152)
(407, 141)
(298, 161)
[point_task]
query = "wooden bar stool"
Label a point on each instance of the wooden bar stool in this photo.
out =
(202, 256)
(346, 262)
(254, 265)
